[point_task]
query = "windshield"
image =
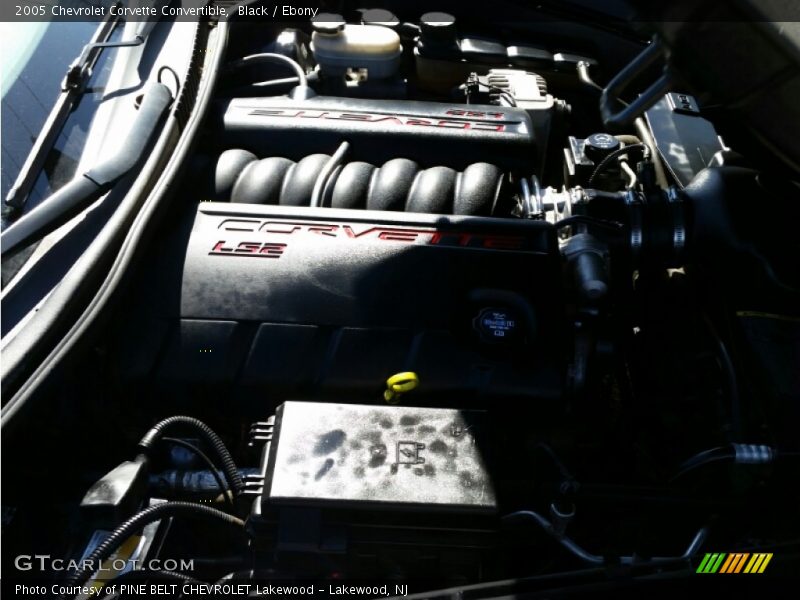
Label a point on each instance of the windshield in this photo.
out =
(36, 57)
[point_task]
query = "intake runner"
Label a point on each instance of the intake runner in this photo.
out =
(399, 184)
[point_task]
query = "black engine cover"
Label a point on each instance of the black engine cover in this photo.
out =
(308, 300)
(430, 133)
(324, 266)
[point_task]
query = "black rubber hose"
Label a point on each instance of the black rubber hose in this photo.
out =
(223, 489)
(138, 521)
(228, 465)
(611, 157)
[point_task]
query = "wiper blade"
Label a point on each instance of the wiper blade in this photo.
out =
(72, 88)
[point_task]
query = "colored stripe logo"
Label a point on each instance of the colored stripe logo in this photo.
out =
(736, 562)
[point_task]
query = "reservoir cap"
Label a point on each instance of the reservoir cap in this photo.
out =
(599, 145)
(438, 29)
(328, 23)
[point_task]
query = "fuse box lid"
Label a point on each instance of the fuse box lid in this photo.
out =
(405, 458)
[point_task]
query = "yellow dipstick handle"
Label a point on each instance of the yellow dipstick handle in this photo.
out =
(399, 384)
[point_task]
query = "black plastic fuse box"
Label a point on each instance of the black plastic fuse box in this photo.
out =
(372, 457)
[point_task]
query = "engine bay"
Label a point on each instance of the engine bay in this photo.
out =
(436, 305)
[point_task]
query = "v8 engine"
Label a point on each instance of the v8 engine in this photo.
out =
(443, 301)
(456, 156)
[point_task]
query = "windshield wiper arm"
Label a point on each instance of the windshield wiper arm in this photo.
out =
(72, 88)
(85, 188)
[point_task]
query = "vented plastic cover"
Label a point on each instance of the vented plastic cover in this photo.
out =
(351, 455)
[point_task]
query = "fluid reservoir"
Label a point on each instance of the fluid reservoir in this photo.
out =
(338, 46)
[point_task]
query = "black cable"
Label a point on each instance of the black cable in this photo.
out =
(746, 454)
(570, 545)
(228, 465)
(174, 75)
(562, 468)
(270, 57)
(731, 381)
(496, 90)
(704, 458)
(562, 539)
(509, 97)
(614, 155)
(146, 574)
(224, 489)
(136, 523)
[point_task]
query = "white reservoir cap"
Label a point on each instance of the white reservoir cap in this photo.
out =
(370, 47)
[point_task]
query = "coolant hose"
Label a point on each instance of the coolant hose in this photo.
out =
(228, 465)
(138, 521)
